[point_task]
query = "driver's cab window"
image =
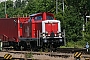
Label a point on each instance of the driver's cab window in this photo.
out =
(50, 18)
(38, 18)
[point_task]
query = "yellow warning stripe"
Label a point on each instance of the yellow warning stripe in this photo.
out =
(8, 56)
(5, 56)
(75, 54)
(78, 55)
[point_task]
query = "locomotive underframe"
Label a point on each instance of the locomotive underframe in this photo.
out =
(35, 43)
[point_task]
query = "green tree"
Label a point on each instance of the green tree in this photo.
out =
(87, 33)
(2, 9)
(72, 23)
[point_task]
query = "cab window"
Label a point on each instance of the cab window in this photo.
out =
(38, 18)
(20, 25)
(50, 18)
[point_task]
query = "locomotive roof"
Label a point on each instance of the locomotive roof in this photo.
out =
(34, 14)
(37, 14)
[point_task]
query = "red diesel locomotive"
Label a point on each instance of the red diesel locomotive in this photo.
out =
(38, 30)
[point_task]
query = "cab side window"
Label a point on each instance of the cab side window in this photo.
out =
(38, 18)
(20, 25)
(50, 18)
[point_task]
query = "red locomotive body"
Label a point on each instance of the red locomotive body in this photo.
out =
(38, 30)
(44, 29)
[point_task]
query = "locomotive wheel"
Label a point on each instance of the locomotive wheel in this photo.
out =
(16, 47)
(45, 48)
(53, 48)
(23, 46)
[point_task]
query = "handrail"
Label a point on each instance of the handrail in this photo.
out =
(5, 37)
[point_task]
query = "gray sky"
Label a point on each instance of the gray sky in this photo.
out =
(6, 0)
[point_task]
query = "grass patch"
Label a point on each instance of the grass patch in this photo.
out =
(78, 44)
(72, 44)
(29, 55)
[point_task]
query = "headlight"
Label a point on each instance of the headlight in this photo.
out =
(48, 35)
(59, 34)
(55, 35)
(45, 41)
(43, 34)
(60, 40)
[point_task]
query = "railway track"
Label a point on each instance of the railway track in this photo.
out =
(38, 53)
(59, 50)
(50, 54)
(61, 53)
(73, 50)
